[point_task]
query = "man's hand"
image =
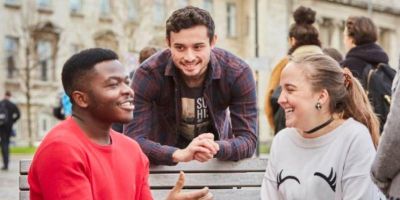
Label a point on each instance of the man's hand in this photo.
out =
(202, 146)
(203, 157)
(177, 194)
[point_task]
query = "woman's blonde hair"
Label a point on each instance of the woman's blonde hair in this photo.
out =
(347, 97)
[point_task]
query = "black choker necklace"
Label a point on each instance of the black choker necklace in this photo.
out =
(320, 126)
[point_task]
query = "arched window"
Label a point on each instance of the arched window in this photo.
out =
(106, 39)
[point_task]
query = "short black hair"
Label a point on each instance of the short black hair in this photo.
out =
(76, 69)
(189, 17)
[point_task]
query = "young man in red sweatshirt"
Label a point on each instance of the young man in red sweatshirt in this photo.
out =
(82, 158)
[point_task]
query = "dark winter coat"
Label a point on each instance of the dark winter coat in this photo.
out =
(14, 113)
(358, 57)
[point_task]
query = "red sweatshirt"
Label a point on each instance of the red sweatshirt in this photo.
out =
(67, 165)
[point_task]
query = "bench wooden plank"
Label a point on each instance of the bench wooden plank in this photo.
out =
(24, 166)
(248, 194)
(211, 180)
(193, 180)
(235, 194)
(246, 165)
(23, 182)
(24, 195)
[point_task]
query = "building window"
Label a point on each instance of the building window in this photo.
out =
(44, 51)
(75, 6)
(133, 6)
(12, 3)
(11, 49)
(107, 39)
(159, 11)
(105, 7)
(183, 3)
(231, 20)
(326, 30)
(208, 5)
(44, 123)
(341, 27)
(43, 3)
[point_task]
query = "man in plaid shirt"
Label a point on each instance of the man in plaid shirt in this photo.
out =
(193, 101)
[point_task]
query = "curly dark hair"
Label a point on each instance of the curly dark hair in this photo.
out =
(188, 17)
(303, 30)
(361, 29)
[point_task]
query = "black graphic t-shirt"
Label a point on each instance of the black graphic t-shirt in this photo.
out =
(195, 117)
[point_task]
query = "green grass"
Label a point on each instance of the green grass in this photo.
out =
(264, 148)
(23, 150)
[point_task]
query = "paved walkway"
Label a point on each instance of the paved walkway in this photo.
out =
(9, 179)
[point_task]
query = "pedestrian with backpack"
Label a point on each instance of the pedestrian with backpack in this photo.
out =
(9, 114)
(369, 63)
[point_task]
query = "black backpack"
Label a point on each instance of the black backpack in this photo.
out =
(4, 115)
(377, 82)
(279, 113)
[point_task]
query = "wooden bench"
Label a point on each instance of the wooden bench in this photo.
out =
(226, 179)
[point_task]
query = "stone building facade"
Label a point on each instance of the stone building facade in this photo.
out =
(37, 36)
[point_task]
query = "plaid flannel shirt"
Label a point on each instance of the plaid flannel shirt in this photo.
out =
(230, 95)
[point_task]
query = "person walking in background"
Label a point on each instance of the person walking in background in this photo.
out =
(66, 104)
(360, 36)
(385, 169)
(194, 101)
(328, 147)
(303, 39)
(9, 114)
(145, 53)
(81, 157)
(333, 53)
(63, 108)
(363, 56)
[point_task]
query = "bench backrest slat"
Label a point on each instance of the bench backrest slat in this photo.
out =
(211, 180)
(192, 180)
(246, 165)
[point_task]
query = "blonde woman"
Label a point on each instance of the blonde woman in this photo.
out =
(328, 148)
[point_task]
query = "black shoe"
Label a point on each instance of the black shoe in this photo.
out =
(4, 168)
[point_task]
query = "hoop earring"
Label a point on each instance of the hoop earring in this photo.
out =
(318, 106)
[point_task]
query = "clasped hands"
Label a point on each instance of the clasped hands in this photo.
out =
(202, 148)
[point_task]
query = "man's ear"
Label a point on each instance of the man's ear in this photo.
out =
(213, 41)
(80, 98)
